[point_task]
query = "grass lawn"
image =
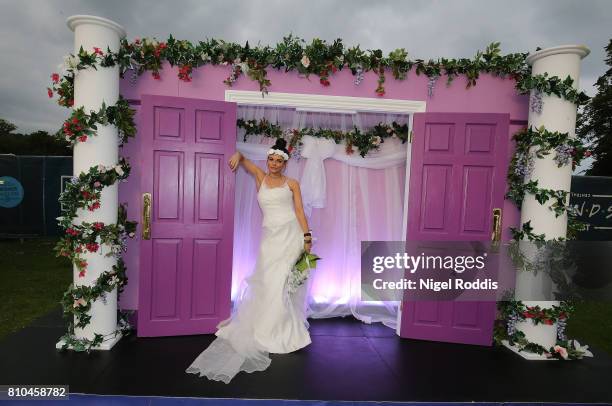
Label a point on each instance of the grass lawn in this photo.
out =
(33, 280)
(591, 324)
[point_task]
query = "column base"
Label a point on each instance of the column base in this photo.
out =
(531, 356)
(104, 346)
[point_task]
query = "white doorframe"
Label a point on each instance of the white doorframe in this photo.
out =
(339, 104)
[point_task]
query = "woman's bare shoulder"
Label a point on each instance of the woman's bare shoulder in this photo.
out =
(292, 182)
(259, 178)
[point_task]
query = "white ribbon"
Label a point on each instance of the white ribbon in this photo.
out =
(313, 183)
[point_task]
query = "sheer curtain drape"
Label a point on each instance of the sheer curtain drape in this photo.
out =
(350, 199)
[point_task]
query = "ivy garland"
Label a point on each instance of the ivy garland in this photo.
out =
(84, 191)
(554, 259)
(537, 143)
(80, 125)
(574, 226)
(364, 141)
(317, 58)
(77, 301)
(512, 311)
(88, 237)
(526, 232)
(547, 316)
(64, 87)
(552, 86)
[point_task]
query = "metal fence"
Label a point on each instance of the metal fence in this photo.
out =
(29, 191)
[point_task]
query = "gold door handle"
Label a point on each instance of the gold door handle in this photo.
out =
(497, 217)
(146, 216)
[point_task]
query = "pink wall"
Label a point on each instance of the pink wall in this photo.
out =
(491, 95)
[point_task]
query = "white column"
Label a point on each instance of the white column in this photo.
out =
(557, 115)
(91, 88)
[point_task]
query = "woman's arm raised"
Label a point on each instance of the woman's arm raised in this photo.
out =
(253, 169)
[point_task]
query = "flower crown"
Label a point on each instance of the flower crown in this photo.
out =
(278, 152)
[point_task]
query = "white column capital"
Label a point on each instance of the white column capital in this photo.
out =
(561, 61)
(579, 50)
(75, 21)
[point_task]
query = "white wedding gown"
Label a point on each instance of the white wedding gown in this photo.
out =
(268, 319)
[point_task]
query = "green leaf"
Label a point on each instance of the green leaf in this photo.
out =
(302, 263)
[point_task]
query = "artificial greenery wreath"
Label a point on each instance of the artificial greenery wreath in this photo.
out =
(365, 141)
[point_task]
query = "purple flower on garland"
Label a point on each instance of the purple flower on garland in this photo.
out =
(524, 165)
(359, 74)
(236, 69)
(536, 102)
(511, 323)
(133, 77)
(564, 154)
(296, 152)
(122, 243)
(431, 83)
(561, 322)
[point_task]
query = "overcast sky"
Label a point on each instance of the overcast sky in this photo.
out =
(35, 36)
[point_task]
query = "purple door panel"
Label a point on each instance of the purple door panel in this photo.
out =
(457, 177)
(186, 264)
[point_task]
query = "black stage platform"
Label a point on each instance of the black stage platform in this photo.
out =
(347, 360)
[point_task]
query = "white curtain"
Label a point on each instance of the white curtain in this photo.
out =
(350, 199)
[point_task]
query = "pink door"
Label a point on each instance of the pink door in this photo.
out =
(185, 265)
(457, 178)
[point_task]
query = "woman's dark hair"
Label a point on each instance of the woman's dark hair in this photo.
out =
(281, 144)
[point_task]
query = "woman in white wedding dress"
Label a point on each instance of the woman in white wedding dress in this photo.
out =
(268, 319)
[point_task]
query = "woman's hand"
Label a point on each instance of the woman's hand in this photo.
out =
(234, 161)
(307, 245)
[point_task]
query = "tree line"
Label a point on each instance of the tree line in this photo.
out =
(35, 143)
